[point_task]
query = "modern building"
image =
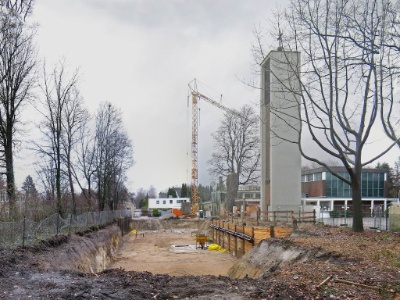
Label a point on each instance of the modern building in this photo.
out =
(249, 198)
(326, 192)
(166, 204)
(280, 124)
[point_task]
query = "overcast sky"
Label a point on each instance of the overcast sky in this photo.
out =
(141, 55)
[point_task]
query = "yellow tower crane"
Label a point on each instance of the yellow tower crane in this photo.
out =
(196, 97)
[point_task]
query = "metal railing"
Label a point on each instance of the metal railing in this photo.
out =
(373, 218)
(266, 218)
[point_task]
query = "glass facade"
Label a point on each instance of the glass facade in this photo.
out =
(372, 185)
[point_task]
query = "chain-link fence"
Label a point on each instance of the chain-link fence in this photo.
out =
(373, 218)
(25, 232)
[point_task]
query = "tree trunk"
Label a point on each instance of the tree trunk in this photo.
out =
(357, 203)
(58, 181)
(10, 178)
(232, 185)
(71, 182)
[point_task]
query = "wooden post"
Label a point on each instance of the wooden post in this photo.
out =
(294, 224)
(219, 233)
(272, 231)
(229, 241)
(236, 243)
(243, 243)
(314, 217)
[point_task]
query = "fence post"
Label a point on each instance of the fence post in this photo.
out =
(314, 217)
(236, 253)
(23, 233)
(294, 224)
(229, 240)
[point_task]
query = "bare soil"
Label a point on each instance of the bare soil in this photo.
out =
(172, 252)
(349, 266)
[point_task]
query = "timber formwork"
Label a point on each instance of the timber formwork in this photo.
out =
(240, 239)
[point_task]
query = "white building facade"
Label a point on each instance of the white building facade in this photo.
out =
(166, 203)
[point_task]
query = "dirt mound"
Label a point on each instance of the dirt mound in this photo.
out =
(118, 284)
(271, 254)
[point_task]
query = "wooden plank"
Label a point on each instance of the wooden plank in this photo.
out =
(283, 232)
(248, 230)
(261, 233)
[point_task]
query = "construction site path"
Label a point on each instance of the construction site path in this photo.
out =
(172, 252)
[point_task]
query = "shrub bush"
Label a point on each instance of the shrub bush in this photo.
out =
(156, 212)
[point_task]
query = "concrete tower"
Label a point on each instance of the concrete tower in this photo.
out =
(280, 155)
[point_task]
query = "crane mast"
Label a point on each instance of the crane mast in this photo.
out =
(196, 97)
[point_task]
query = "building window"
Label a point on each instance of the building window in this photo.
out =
(164, 202)
(310, 177)
(157, 201)
(372, 185)
(170, 201)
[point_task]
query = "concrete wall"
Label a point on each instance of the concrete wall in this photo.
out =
(280, 155)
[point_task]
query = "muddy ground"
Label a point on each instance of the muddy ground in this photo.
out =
(357, 266)
(172, 252)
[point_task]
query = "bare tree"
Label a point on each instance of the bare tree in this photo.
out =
(74, 117)
(237, 150)
(113, 155)
(85, 168)
(350, 52)
(21, 7)
(152, 192)
(17, 62)
(59, 89)
(46, 176)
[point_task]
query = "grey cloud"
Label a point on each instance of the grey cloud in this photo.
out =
(210, 15)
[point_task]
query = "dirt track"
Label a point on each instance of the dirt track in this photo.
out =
(171, 252)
